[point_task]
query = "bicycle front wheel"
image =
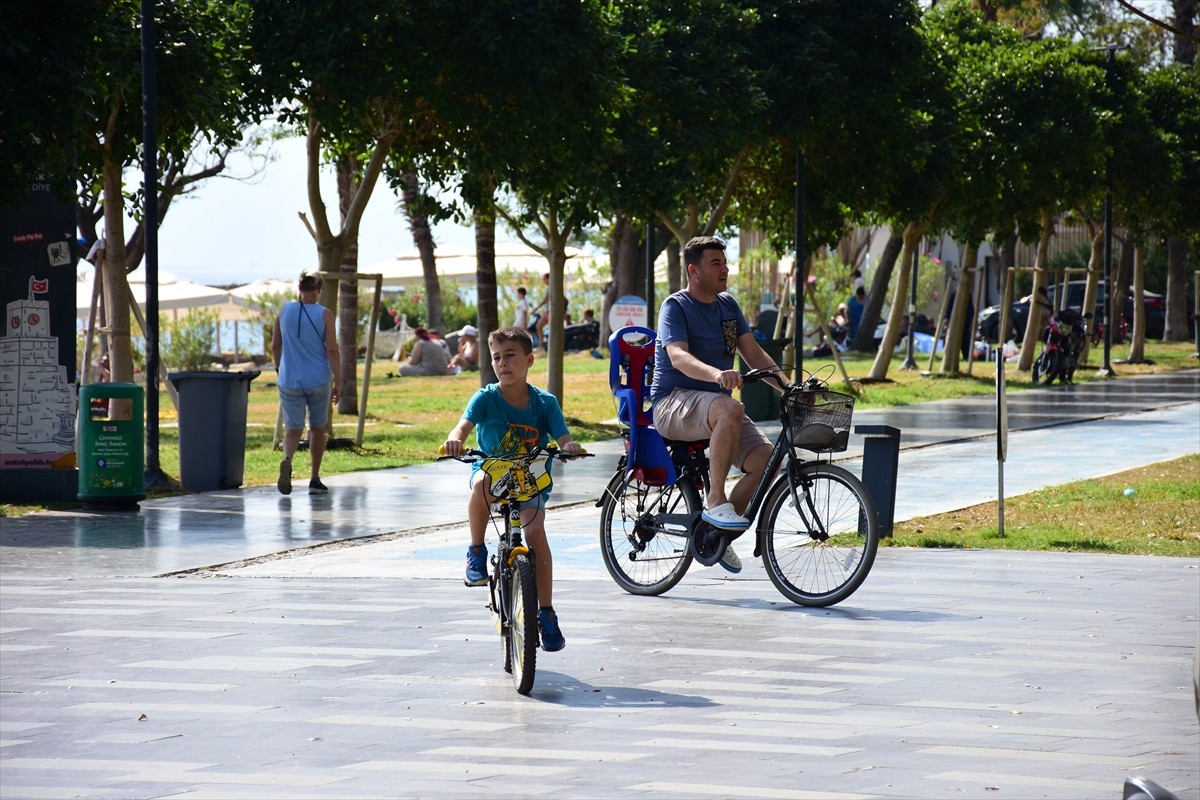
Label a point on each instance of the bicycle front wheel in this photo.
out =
(644, 552)
(819, 538)
(1047, 368)
(523, 627)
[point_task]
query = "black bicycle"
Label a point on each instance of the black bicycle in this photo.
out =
(512, 590)
(817, 532)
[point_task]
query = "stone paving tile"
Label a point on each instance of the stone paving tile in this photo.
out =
(935, 680)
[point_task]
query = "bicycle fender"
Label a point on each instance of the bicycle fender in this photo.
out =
(517, 551)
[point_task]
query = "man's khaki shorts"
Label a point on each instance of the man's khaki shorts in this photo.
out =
(683, 416)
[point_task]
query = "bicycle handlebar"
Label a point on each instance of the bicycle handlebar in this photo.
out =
(810, 384)
(471, 455)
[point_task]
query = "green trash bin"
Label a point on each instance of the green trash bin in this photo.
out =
(212, 428)
(760, 398)
(112, 446)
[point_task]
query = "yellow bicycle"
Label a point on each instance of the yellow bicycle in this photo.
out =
(512, 591)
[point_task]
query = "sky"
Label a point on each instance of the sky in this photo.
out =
(231, 232)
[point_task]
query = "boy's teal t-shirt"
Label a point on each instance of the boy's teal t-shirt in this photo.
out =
(503, 430)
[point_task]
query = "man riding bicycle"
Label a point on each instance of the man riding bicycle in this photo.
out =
(700, 329)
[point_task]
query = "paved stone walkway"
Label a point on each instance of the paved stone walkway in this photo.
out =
(244, 645)
(949, 674)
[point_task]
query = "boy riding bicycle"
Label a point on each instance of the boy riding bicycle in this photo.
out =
(512, 418)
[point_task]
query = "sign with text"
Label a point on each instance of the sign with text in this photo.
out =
(626, 311)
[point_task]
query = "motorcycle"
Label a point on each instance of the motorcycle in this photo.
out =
(1063, 337)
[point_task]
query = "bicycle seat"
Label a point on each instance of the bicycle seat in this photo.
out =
(629, 376)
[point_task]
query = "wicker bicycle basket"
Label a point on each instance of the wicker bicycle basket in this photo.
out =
(819, 420)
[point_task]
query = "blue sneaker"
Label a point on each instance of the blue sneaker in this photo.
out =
(477, 566)
(552, 638)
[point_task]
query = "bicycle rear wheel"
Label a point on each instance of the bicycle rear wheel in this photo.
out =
(523, 627)
(644, 553)
(819, 540)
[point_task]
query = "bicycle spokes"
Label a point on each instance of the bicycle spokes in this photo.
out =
(643, 533)
(820, 534)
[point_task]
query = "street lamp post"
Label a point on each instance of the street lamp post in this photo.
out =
(1106, 371)
(800, 278)
(155, 478)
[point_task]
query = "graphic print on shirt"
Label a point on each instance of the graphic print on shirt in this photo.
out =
(729, 332)
(519, 439)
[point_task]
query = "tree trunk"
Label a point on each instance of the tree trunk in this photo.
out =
(485, 281)
(623, 251)
(864, 337)
(1033, 329)
(1120, 285)
(339, 251)
(1177, 294)
(1137, 332)
(349, 170)
(913, 232)
(422, 235)
(116, 286)
(331, 246)
(959, 318)
(1183, 15)
(556, 242)
(1091, 289)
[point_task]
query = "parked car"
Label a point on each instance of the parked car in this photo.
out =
(989, 318)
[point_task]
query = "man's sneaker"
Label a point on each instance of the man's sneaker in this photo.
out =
(730, 560)
(552, 638)
(477, 565)
(316, 487)
(725, 517)
(284, 484)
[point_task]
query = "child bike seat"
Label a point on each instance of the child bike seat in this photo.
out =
(631, 366)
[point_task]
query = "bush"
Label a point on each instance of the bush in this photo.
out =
(187, 344)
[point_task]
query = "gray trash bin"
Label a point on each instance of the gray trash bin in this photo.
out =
(212, 428)
(881, 461)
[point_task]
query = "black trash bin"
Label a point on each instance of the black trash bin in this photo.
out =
(760, 398)
(881, 461)
(212, 428)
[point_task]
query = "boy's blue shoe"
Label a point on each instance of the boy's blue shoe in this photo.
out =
(477, 565)
(552, 638)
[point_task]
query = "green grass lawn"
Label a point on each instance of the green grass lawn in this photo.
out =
(1153, 510)
(408, 418)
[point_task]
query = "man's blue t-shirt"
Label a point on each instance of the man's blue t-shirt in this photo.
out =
(503, 430)
(711, 331)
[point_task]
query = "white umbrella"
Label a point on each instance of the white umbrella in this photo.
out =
(263, 287)
(175, 294)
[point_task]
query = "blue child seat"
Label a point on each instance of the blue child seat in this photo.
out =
(631, 366)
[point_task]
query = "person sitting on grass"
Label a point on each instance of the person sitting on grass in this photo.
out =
(428, 357)
(467, 358)
(512, 417)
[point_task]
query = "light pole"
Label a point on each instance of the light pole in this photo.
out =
(800, 277)
(1106, 371)
(155, 478)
